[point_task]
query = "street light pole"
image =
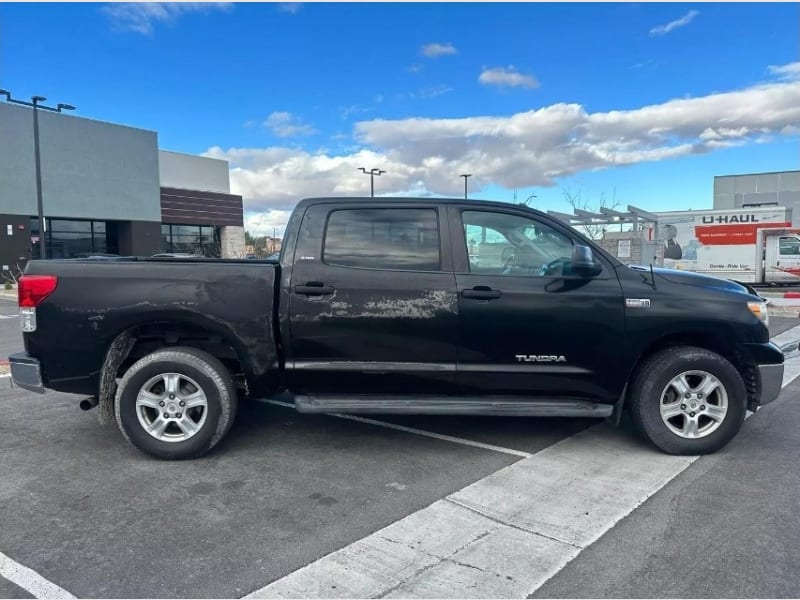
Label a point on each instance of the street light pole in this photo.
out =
(465, 176)
(372, 173)
(35, 104)
(38, 162)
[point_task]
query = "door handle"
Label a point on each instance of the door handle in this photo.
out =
(481, 292)
(314, 288)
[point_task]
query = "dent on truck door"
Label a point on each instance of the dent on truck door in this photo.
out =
(373, 304)
(528, 326)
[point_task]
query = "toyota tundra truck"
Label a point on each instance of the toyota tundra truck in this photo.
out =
(400, 306)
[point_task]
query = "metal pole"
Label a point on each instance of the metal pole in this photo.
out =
(39, 204)
(465, 176)
(372, 172)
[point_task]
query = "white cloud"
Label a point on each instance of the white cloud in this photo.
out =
(291, 8)
(682, 22)
(140, 17)
(284, 124)
(293, 174)
(788, 72)
(507, 76)
(426, 93)
(415, 68)
(269, 222)
(347, 111)
(435, 50)
(433, 91)
(526, 149)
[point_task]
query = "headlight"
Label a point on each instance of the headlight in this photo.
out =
(759, 309)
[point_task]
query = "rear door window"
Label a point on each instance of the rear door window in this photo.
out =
(383, 238)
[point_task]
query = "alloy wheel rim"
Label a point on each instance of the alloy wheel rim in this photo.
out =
(694, 404)
(171, 407)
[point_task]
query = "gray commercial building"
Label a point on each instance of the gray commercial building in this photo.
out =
(107, 188)
(759, 189)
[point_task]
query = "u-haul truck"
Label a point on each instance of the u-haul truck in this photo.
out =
(750, 245)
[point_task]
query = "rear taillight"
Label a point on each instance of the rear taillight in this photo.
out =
(33, 289)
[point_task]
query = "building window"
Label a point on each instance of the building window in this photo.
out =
(202, 240)
(72, 238)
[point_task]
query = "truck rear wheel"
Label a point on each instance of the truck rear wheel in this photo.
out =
(176, 403)
(688, 400)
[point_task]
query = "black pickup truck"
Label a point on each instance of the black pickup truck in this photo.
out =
(424, 306)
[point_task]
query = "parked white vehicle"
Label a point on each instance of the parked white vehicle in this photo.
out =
(750, 245)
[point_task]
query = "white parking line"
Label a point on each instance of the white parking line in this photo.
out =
(430, 434)
(29, 580)
(506, 534)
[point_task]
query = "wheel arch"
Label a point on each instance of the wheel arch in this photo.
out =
(152, 332)
(714, 342)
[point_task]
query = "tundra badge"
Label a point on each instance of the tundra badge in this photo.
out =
(540, 358)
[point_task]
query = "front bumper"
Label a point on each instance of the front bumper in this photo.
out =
(26, 372)
(764, 373)
(771, 377)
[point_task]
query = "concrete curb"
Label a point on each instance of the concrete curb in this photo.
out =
(793, 294)
(784, 311)
(5, 382)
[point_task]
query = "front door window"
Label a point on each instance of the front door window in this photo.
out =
(503, 244)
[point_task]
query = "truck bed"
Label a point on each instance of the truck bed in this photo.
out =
(226, 303)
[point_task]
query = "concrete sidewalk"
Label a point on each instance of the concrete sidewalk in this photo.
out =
(783, 307)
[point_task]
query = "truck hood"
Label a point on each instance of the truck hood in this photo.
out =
(696, 279)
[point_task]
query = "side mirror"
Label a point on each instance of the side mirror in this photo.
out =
(583, 262)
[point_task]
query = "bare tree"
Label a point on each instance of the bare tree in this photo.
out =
(593, 231)
(12, 276)
(527, 202)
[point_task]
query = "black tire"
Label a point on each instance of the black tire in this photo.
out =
(211, 377)
(653, 377)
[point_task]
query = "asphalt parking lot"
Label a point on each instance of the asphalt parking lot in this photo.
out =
(92, 515)
(10, 335)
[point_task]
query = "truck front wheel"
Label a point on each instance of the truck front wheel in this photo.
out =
(175, 403)
(688, 400)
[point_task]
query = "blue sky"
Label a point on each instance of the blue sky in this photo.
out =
(643, 101)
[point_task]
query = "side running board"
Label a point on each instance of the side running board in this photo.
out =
(444, 405)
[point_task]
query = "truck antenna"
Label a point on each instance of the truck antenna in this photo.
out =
(652, 276)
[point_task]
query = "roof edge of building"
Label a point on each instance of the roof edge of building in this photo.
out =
(758, 173)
